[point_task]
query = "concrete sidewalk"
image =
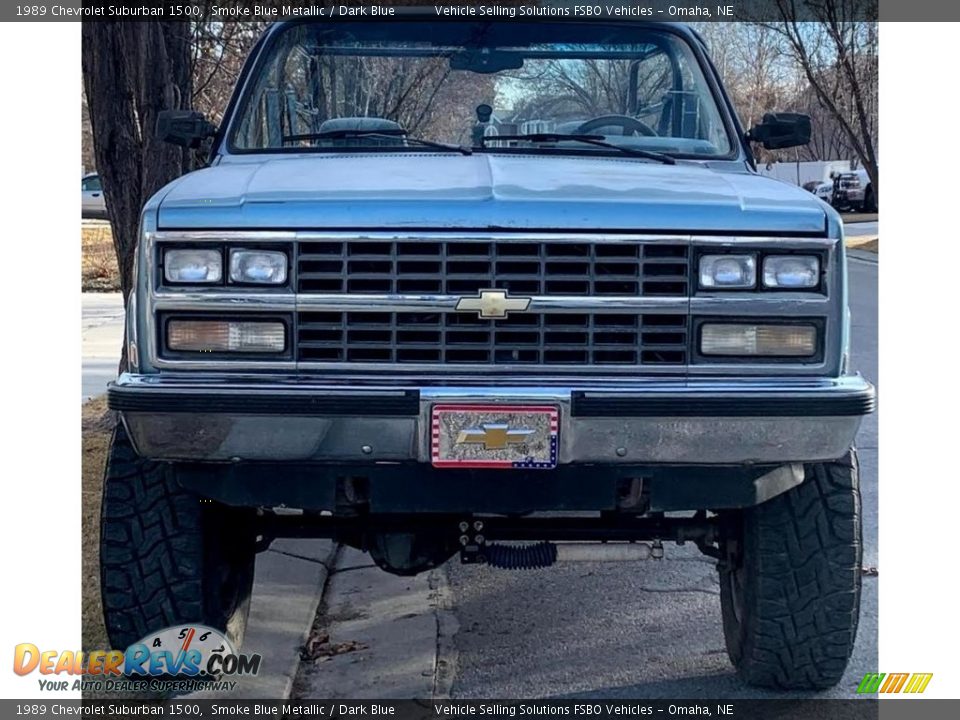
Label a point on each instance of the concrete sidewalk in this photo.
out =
(102, 333)
(381, 635)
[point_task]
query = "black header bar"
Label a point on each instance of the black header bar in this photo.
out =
(120, 708)
(332, 11)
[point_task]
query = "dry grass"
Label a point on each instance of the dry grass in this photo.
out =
(869, 244)
(99, 261)
(97, 424)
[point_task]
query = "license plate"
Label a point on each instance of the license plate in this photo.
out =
(495, 436)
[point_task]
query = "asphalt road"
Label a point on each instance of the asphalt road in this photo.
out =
(649, 630)
(862, 228)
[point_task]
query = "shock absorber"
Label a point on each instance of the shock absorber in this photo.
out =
(475, 549)
(545, 554)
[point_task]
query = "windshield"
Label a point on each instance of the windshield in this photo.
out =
(382, 86)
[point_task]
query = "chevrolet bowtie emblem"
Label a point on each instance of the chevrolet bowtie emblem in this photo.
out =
(494, 436)
(493, 304)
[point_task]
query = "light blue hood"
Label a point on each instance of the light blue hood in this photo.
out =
(483, 191)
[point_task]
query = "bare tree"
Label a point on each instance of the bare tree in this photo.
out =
(838, 56)
(218, 51)
(756, 73)
(423, 94)
(828, 141)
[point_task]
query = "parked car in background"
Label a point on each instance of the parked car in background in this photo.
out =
(848, 192)
(92, 203)
(855, 191)
(824, 191)
(869, 196)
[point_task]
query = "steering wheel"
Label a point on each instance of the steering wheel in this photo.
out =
(630, 125)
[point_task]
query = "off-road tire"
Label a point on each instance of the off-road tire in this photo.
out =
(166, 556)
(790, 584)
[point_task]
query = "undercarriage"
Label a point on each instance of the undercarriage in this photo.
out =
(410, 544)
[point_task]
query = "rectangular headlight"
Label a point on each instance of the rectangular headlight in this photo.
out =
(261, 267)
(758, 340)
(216, 336)
(733, 272)
(187, 265)
(791, 272)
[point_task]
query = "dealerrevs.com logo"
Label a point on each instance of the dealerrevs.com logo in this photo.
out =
(173, 655)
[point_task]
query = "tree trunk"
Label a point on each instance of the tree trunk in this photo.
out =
(132, 71)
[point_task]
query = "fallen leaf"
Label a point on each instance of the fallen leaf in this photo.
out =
(321, 647)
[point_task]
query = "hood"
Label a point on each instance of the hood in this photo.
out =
(484, 191)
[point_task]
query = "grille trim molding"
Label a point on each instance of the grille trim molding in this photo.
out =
(447, 303)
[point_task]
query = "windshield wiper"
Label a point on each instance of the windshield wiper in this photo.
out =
(388, 134)
(598, 140)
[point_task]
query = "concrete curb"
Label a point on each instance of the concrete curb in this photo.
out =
(391, 633)
(445, 667)
(288, 587)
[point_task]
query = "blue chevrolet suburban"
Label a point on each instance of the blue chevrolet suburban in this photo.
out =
(508, 291)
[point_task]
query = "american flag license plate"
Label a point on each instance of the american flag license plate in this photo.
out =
(495, 436)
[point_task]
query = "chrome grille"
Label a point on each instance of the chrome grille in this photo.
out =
(462, 267)
(531, 338)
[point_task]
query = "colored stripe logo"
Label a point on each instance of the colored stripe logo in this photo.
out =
(914, 683)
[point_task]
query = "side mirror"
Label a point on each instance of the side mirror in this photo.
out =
(781, 130)
(187, 128)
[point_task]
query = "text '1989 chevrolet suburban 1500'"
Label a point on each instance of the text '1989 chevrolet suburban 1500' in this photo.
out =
(513, 291)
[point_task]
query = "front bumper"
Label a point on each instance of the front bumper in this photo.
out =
(223, 418)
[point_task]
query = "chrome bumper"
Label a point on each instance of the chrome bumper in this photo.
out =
(657, 421)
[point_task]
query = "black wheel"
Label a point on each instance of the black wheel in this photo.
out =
(166, 557)
(790, 582)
